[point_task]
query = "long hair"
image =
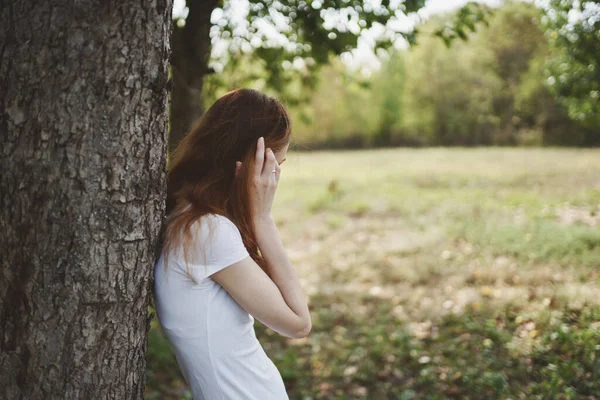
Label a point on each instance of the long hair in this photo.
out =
(201, 176)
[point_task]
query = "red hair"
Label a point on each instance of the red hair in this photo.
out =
(201, 175)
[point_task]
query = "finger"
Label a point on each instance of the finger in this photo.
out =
(260, 155)
(269, 164)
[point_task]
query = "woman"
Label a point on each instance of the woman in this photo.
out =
(211, 280)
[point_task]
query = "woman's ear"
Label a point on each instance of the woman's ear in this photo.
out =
(238, 165)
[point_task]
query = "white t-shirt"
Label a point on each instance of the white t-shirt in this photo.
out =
(212, 335)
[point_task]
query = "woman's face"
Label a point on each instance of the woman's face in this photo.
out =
(281, 154)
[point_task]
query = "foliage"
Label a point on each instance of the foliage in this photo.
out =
(389, 84)
(487, 90)
(490, 89)
(498, 87)
(573, 29)
(289, 39)
(294, 38)
(450, 96)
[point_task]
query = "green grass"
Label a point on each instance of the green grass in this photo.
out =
(436, 274)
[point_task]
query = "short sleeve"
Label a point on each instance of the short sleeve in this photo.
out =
(217, 245)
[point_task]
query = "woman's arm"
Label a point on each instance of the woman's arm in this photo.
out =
(281, 270)
(276, 301)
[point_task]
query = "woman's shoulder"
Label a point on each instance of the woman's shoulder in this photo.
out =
(222, 242)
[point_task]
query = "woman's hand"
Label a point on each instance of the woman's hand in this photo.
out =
(264, 180)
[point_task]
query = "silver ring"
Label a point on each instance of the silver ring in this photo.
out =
(274, 171)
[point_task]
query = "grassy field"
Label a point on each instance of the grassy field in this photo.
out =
(436, 273)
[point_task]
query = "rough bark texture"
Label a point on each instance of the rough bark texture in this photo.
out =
(83, 130)
(191, 52)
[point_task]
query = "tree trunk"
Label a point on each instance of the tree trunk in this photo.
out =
(191, 52)
(83, 126)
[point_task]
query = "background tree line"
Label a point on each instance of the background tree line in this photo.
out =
(528, 77)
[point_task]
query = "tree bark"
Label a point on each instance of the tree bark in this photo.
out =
(189, 63)
(83, 128)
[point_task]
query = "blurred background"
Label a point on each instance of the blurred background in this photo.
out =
(441, 196)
